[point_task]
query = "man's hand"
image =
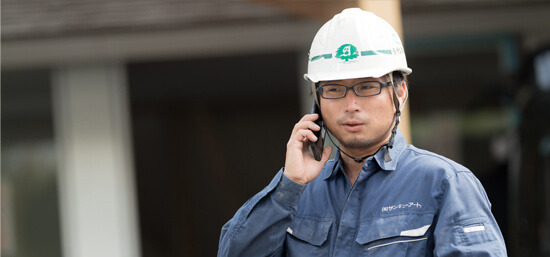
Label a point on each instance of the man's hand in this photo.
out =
(300, 165)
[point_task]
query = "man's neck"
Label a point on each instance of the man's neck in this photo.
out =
(351, 167)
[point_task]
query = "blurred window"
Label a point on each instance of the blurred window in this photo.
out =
(30, 206)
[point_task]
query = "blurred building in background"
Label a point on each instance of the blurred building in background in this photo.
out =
(138, 128)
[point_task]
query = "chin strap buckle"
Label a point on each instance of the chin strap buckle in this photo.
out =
(387, 157)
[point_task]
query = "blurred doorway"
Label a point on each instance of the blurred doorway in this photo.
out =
(208, 134)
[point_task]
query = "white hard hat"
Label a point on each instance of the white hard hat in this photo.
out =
(355, 44)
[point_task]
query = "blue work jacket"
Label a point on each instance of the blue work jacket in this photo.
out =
(417, 204)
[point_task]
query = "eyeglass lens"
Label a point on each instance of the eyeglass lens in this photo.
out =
(368, 88)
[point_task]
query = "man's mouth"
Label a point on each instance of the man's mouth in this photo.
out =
(352, 122)
(352, 126)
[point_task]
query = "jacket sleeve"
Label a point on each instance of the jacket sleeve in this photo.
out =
(259, 226)
(465, 225)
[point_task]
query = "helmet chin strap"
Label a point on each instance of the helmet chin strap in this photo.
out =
(397, 118)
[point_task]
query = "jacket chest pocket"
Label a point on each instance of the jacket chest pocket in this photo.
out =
(306, 236)
(400, 235)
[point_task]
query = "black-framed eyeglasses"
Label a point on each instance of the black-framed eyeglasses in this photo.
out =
(363, 89)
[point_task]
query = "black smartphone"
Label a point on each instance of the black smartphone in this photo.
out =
(317, 147)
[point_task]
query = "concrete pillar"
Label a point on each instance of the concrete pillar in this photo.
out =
(96, 180)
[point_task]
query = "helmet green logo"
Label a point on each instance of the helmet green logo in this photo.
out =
(347, 52)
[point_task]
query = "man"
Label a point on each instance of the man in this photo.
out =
(380, 196)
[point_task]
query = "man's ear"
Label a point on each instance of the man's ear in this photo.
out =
(402, 93)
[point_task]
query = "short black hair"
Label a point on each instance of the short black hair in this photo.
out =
(399, 76)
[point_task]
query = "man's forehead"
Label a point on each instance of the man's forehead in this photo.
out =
(355, 80)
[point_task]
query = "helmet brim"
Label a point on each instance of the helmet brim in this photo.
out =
(353, 75)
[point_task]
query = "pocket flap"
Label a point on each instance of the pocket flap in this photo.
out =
(410, 225)
(310, 230)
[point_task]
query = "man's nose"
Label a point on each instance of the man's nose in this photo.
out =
(351, 101)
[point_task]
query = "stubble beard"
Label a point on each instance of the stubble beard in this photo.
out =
(356, 143)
